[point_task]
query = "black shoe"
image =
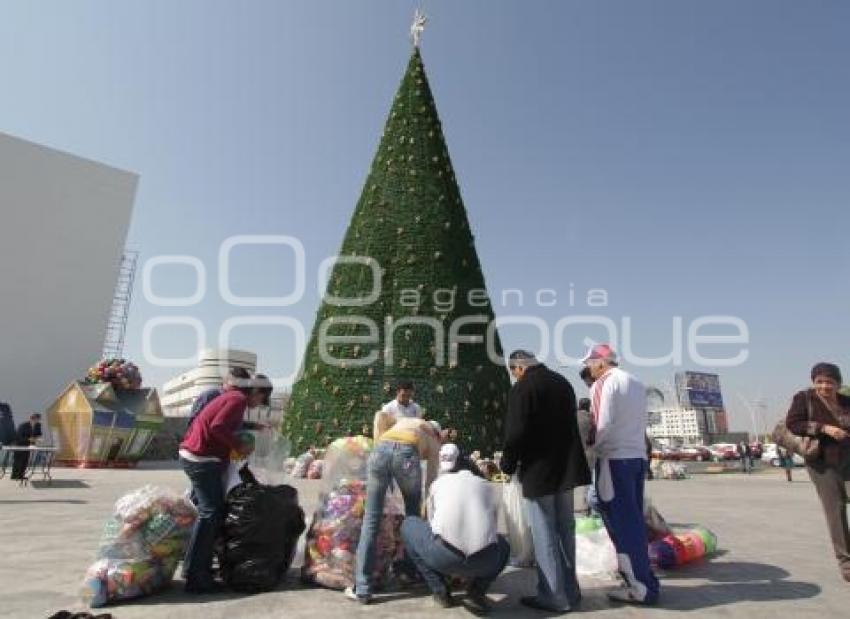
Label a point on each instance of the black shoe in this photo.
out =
(443, 599)
(204, 588)
(477, 602)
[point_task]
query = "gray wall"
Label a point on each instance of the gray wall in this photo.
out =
(63, 224)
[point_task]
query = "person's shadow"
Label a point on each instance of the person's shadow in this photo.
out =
(729, 583)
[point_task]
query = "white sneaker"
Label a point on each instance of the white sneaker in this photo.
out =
(626, 595)
(352, 595)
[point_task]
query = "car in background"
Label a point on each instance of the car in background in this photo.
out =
(665, 453)
(770, 455)
(757, 449)
(696, 453)
(723, 451)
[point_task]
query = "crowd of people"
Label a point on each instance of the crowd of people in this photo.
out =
(553, 444)
(548, 442)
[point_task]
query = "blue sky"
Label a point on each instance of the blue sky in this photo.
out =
(688, 157)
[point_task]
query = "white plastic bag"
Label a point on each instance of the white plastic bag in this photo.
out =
(595, 555)
(519, 531)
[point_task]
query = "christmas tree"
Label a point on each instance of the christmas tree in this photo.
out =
(409, 231)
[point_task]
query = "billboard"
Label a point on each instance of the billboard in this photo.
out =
(698, 390)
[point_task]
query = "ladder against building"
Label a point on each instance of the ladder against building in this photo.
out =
(116, 326)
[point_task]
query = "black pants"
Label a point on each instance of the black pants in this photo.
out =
(831, 487)
(19, 464)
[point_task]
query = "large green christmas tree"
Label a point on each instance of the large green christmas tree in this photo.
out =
(410, 224)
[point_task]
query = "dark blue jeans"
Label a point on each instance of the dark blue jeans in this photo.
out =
(435, 561)
(623, 517)
(388, 461)
(207, 487)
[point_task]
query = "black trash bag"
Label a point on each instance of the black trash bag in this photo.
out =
(261, 532)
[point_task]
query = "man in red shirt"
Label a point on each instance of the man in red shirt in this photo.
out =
(204, 454)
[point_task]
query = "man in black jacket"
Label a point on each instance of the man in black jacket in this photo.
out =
(543, 444)
(27, 434)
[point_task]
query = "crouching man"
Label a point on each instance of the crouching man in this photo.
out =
(459, 539)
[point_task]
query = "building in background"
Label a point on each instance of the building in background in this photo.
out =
(62, 233)
(699, 417)
(675, 424)
(179, 393)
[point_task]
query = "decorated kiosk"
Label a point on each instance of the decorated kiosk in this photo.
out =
(106, 419)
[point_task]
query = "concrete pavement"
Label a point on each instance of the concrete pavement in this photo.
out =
(774, 557)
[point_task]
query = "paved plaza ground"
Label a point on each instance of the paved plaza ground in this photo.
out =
(774, 558)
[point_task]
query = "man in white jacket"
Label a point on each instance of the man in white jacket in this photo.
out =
(618, 435)
(460, 538)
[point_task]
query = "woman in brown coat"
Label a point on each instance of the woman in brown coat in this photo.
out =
(830, 424)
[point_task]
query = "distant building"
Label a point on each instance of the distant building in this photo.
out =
(700, 393)
(674, 423)
(179, 393)
(687, 425)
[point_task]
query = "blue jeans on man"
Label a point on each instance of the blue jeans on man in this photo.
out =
(553, 529)
(207, 487)
(435, 559)
(389, 461)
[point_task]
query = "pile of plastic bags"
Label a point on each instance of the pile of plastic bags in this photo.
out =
(335, 531)
(673, 470)
(261, 532)
(305, 466)
(141, 546)
(682, 548)
(597, 557)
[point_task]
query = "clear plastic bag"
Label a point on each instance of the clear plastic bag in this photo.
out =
(141, 546)
(270, 457)
(595, 554)
(346, 458)
(331, 542)
(519, 531)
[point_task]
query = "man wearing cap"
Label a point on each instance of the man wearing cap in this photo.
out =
(618, 436)
(460, 537)
(544, 448)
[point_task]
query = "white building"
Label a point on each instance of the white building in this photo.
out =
(63, 226)
(178, 394)
(675, 423)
